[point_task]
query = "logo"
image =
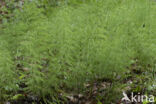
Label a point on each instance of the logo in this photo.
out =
(138, 98)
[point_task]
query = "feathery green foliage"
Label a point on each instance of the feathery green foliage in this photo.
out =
(74, 45)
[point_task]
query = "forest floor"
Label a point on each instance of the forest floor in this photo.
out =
(135, 82)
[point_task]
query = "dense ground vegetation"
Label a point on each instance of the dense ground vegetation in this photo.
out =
(52, 49)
